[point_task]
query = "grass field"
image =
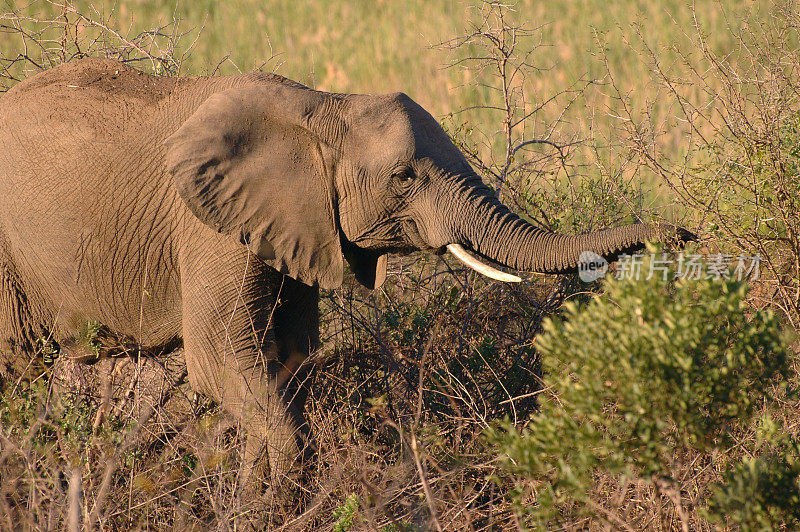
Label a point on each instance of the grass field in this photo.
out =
(446, 401)
(386, 46)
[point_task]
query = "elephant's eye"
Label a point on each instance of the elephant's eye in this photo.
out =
(405, 175)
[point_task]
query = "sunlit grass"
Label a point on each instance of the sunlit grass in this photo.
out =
(384, 46)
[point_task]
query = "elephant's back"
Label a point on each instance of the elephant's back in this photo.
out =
(84, 203)
(95, 99)
(82, 132)
(91, 79)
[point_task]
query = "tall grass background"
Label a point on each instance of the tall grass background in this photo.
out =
(413, 376)
(385, 46)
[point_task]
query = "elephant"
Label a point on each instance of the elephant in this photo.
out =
(210, 211)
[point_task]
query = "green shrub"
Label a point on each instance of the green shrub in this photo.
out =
(651, 372)
(761, 492)
(345, 514)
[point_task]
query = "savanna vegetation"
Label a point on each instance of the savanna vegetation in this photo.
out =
(443, 401)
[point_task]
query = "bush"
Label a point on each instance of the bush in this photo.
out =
(737, 117)
(651, 377)
(761, 492)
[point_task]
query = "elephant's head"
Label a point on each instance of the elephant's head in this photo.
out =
(305, 178)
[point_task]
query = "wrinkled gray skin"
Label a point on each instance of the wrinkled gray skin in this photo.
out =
(210, 210)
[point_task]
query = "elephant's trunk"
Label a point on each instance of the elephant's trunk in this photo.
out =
(487, 227)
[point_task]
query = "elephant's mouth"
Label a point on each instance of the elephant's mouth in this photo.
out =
(415, 236)
(413, 239)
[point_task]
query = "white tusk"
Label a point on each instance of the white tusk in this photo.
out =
(461, 254)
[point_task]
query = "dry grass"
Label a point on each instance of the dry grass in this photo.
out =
(397, 409)
(412, 375)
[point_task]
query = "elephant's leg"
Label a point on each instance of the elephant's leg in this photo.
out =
(296, 325)
(231, 353)
(274, 424)
(278, 449)
(19, 329)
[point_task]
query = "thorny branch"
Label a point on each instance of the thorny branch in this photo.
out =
(501, 50)
(72, 34)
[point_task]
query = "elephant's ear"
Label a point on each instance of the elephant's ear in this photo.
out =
(246, 164)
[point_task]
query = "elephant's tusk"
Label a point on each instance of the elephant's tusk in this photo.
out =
(461, 254)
